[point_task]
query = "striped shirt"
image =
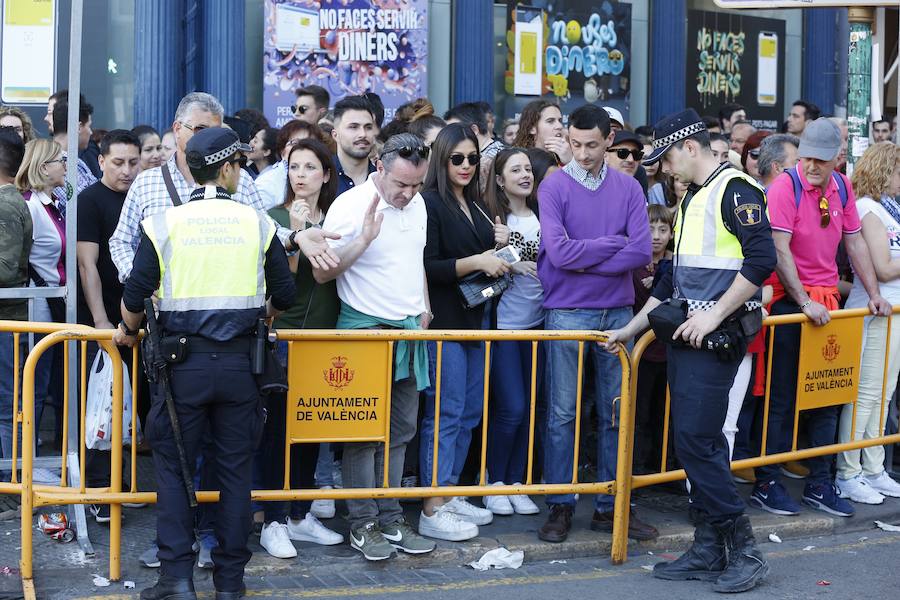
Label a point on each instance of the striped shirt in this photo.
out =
(148, 196)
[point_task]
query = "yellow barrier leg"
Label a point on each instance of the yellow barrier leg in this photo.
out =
(619, 551)
(115, 479)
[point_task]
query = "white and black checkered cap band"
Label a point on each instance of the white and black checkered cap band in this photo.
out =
(679, 135)
(223, 154)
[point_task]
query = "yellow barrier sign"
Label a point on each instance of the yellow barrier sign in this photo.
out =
(338, 391)
(828, 372)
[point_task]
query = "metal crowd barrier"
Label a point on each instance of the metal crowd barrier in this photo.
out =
(40, 495)
(665, 475)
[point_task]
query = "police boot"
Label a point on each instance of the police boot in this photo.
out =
(705, 559)
(746, 565)
(232, 595)
(170, 588)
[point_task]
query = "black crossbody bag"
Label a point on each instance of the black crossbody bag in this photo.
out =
(479, 287)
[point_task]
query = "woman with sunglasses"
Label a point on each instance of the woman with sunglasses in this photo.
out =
(511, 197)
(43, 168)
(541, 126)
(312, 187)
(461, 239)
(860, 473)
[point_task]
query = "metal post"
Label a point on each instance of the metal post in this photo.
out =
(860, 76)
(76, 511)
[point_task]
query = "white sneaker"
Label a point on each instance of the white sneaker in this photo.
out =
(323, 509)
(45, 476)
(884, 484)
(274, 538)
(858, 490)
(499, 505)
(445, 525)
(522, 504)
(311, 529)
(469, 512)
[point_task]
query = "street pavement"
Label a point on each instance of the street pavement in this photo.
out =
(62, 571)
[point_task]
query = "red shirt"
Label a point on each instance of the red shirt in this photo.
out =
(814, 248)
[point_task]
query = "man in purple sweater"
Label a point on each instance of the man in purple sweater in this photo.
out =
(594, 232)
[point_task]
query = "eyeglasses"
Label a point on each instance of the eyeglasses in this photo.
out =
(299, 109)
(623, 153)
(194, 128)
(61, 160)
(826, 214)
(457, 159)
(408, 151)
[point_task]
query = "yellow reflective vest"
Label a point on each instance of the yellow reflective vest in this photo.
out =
(707, 255)
(211, 256)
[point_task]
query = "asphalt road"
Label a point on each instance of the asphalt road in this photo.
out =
(860, 565)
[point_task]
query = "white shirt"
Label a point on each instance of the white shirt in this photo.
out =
(890, 290)
(47, 251)
(272, 183)
(388, 279)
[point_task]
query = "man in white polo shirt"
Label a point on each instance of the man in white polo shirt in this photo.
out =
(381, 284)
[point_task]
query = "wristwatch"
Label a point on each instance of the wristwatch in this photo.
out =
(293, 242)
(128, 332)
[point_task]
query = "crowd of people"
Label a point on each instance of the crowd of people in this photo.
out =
(418, 210)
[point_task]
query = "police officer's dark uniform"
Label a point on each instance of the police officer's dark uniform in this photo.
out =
(722, 230)
(212, 263)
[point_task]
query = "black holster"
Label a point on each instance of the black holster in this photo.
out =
(271, 377)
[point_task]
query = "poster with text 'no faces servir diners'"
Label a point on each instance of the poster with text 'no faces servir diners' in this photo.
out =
(348, 47)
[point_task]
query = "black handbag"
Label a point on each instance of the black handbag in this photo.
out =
(477, 288)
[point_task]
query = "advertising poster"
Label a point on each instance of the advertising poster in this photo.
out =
(28, 31)
(735, 58)
(586, 53)
(349, 47)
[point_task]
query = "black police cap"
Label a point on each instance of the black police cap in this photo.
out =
(213, 146)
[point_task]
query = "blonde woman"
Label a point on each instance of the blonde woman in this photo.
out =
(18, 119)
(876, 180)
(44, 168)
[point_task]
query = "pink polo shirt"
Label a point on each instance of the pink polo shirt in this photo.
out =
(813, 247)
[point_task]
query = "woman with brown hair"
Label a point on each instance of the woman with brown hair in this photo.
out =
(18, 119)
(860, 473)
(541, 126)
(511, 197)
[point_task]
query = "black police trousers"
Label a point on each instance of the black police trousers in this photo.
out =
(698, 385)
(214, 390)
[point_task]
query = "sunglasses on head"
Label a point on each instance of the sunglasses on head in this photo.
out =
(623, 153)
(408, 151)
(826, 214)
(457, 159)
(299, 109)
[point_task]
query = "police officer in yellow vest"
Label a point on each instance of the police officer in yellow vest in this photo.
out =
(217, 268)
(707, 309)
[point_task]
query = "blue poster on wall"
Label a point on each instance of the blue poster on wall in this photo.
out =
(348, 47)
(586, 52)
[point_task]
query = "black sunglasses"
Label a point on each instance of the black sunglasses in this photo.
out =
(623, 153)
(754, 153)
(408, 151)
(241, 160)
(299, 109)
(457, 159)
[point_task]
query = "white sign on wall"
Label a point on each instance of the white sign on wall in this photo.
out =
(28, 51)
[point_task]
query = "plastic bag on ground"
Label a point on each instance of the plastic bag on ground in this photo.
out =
(499, 558)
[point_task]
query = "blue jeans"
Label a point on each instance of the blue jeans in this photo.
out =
(462, 395)
(509, 415)
(41, 384)
(821, 422)
(562, 366)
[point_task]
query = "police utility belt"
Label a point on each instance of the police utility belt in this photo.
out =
(260, 346)
(729, 341)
